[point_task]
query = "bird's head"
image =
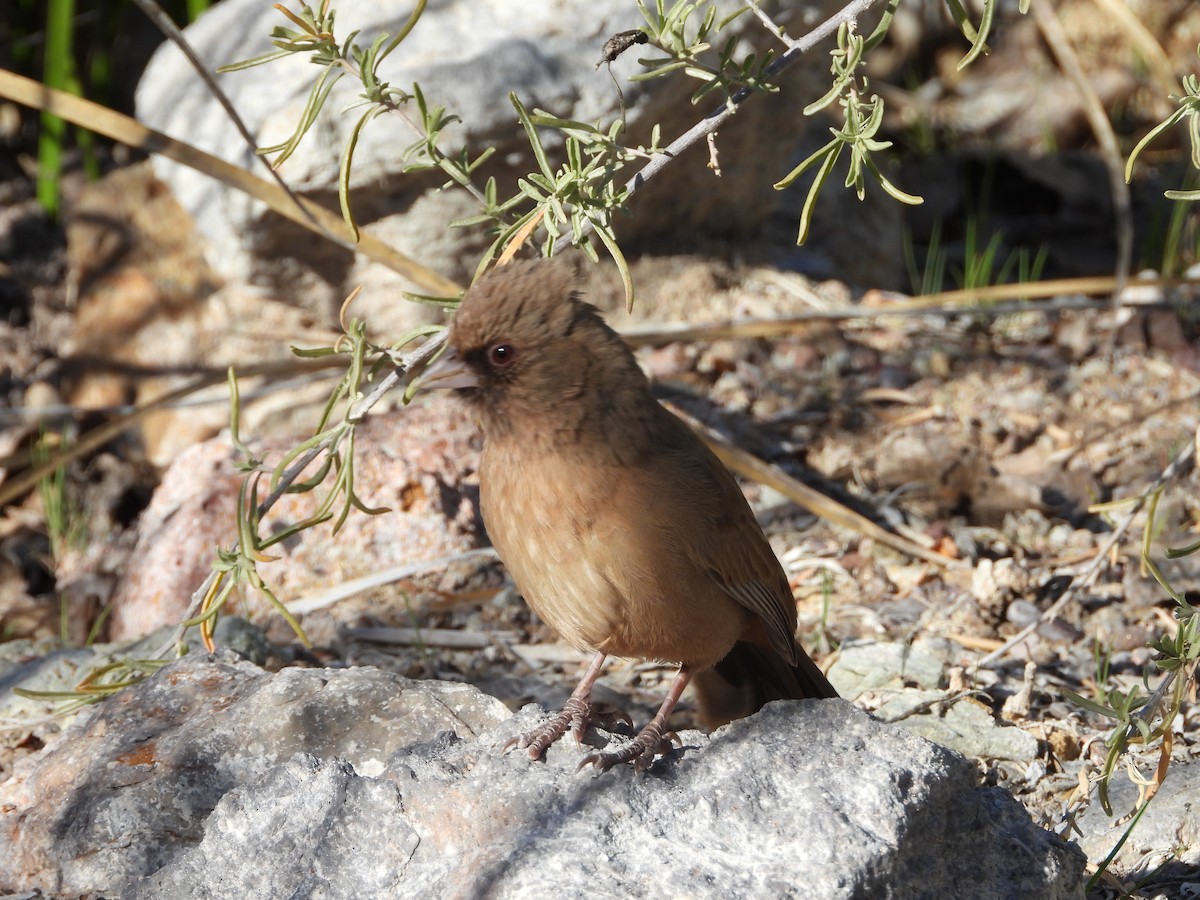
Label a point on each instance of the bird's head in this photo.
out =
(524, 347)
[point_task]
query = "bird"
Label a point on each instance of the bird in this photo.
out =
(618, 525)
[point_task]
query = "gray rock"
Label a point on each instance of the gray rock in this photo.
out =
(965, 725)
(322, 830)
(410, 461)
(467, 57)
(45, 666)
(216, 779)
(1165, 843)
(127, 788)
(874, 665)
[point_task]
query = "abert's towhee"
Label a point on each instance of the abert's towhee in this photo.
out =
(620, 527)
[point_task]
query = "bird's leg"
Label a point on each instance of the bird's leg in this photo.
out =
(651, 740)
(575, 714)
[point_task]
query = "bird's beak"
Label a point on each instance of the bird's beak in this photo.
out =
(450, 371)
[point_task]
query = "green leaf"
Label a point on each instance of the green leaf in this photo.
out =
(468, 221)
(1091, 705)
(546, 120)
(787, 180)
(979, 44)
(253, 61)
(1177, 552)
(810, 201)
(618, 257)
(418, 10)
(535, 143)
(314, 352)
(894, 192)
(1150, 136)
(885, 23)
(344, 169)
(316, 100)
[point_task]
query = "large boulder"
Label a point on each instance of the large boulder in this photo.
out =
(214, 778)
(466, 57)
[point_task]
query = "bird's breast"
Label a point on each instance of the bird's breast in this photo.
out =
(599, 564)
(541, 524)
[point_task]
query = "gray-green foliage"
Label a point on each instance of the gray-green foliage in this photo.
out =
(862, 119)
(577, 199)
(1188, 112)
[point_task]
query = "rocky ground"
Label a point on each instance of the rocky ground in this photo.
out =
(988, 440)
(1010, 446)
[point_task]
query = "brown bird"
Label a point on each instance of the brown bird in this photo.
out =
(620, 527)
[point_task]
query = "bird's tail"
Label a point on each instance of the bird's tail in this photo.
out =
(750, 676)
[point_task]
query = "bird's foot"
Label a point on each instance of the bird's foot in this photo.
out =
(641, 751)
(575, 715)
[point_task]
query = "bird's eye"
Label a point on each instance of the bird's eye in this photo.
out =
(501, 355)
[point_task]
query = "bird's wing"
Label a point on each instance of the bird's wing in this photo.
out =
(734, 552)
(768, 606)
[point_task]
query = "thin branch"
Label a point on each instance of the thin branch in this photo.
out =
(719, 116)
(403, 367)
(163, 22)
(770, 25)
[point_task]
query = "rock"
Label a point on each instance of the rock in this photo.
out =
(48, 668)
(873, 665)
(344, 836)
(467, 57)
(154, 761)
(215, 779)
(1164, 846)
(966, 725)
(941, 464)
(409, 461)
(891, 670)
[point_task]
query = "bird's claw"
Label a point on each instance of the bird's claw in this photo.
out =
(610, 720)
(575, 715)
(641, 751)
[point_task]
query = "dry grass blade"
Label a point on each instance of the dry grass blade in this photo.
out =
(750, 466)
(998, 300)
(102, 434)
(1060, 45)
(125, 130)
